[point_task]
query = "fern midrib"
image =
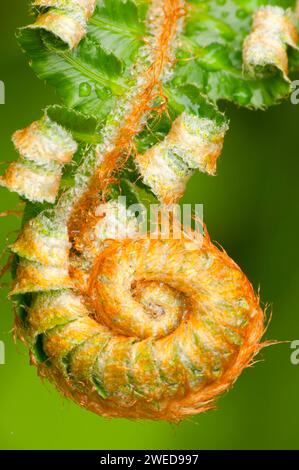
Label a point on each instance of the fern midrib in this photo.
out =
(166, 33)
(119, 87)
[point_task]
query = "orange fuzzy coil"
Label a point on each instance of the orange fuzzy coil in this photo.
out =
(163, 328)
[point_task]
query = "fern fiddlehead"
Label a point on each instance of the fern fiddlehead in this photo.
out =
(126, 325)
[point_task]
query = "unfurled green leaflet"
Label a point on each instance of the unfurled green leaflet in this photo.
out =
(211, 54)
(94, 75)
(124, 323)
(119, 27)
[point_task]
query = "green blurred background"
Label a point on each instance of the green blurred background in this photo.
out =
(251, 209)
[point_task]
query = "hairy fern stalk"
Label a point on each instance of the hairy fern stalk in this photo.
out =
(127, 325)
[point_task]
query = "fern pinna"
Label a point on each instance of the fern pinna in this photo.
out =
(129, 325)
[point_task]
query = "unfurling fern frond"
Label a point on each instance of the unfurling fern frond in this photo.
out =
(126, 324)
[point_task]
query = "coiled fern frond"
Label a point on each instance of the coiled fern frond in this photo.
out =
(127, 325)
